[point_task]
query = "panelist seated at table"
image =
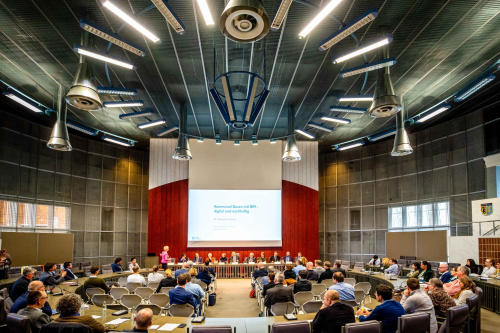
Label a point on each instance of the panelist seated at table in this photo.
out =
(197, 260)
(223, 259)
(279, 293)
(133, 264)
(179, 295)
(35, 301)
(168, 281)
(375, 261)
(298, 257)
(48, 277)
(69, 308)
(117, 265)
(333, 314)
(235, 258)
(345, 290)
(262, 257)
(275, 258)
(136, 277)
(210, 258)
(287, 258)
(21, 301)
(251, 259)
(183, 258)
(96, 282)
(143, 319)
(69, 274)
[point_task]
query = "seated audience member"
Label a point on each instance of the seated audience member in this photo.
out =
(182, 270)
(289, 273)
(136, 277)
(210, 269)
(223, 259)
(117, 266)
(318, 267)
(393, 267)
(262, 258)
(332, 315)
(260, 271)
(453, 273)
(196, 290)
(204, 275)
(426, 274)
(179, 295)
(445, 275)
(337, 268)
(197, 260)
(279, 293)
(133, 264)
(302, 283)
(453, 287)
(497, 271)
(69, 274)
(96, 282)
(193, 272)
(274, 258)
(298, 257)
(234, 258)
(210, 258)
(69, 306)
(48, 276)
(298, 267)
(440, 298)
(287, 258)
(489, 268)
(35, 301)
(21, 301)
(311, 273)
(416, 300)
(21, 285)
(345, 290)
(474, 269)
(375, 261)
(143, 319)
(183, 258)
(251, 259)
(271, 276)
(467, 290)
(386, 262)
(168, 281)
(327, 274)
(415, 270)
(155, 276)
(265, 280)
(388, 312)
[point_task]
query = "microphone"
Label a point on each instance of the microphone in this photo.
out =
(59, 293)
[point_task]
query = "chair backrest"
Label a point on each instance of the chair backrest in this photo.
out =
(85, 263)
(344, 267)
(346, 263)
(400, 269)
(144, 292)
(99, 300)
(112, 283)
(419, 322)
(130, 300)
(474, 313)
(4, 293)
(103, 267)
(122, 281)
(165, 290)
(212, 329)
(154, 284)
(350, 302)
(159, 299)
(118, 292)
(259, 279)
(86, 270)
(291, 327)
(181, 310)
(18, 324)
(317, 289)
(328, 282)
(8, 304)
(351, 281)
(94, 291)
(402, 262)
(132, 286)
(456, 318)
(312, 306)
(479, 293)
(279, 309)
(322, 295)
(359, 265)
(365, 286)
(155, 308)
(65, 328)
(107, 271)
(371, 326)
(411, 258)
(453, 265)
(359, 296)
(303, 296)
(3, 313)
(14, 275)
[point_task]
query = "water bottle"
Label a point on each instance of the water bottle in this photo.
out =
(104, 308)
(82, 309)
(132, 313)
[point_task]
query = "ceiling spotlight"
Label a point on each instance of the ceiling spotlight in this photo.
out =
(322, 14)
(355, 98)
(182, 151)
(279, 17)
(437, 110)
(384, 40)
(200, 140)
(122, 104)
(130, 20)
(111, 37)
(152, 123)
(170, 16)
(136, 114)
(350, 145)
(348, 29)
(117, 141)
(473, 87)
(367, 67)
(236, 143)
(244, 21)
(382, 135)
(320, 127)
(116, 91)
(272, 140)
(23, 101)
(167, 130)
(335, 119)
(82, 129)
(347, 109)
(59, 138)
(206, 12)
(103, 57)
(401, 146)
(218, 142)
(304, 133)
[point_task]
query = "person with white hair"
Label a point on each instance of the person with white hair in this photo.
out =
(260, 271)
(21, 285)
(311, 273)
(279, 293)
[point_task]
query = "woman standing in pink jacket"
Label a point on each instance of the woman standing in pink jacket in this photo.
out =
(164, 257)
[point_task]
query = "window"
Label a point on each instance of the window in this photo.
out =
(415, 217)
(22, 215)
(396, 217)
(411, 216)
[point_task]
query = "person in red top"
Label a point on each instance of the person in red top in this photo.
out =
(453, 287)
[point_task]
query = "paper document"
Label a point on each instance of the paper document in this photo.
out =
(117, 321)
(154, 327)
(95, 317)
(168, 327)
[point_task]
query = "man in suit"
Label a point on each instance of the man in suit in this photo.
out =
(179, 295)
(318, 267)
(271, 276)
(197, 259)
(311, 273)
(302, 284)
(143, 320)
(260, 271)
(183, 270)
(337, 268)
(274, 258)
(327, 274)
(21, 301)
(279, 293)
(48, 277)
(287, 258)
(234, 258)
(262, 257)
(35, 300)
(333, 314)
(21, 285)
(251, 259)
(69, 274)
(298, 257)
(183, 258)
(69, 308)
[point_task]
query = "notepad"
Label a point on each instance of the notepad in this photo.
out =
(168, 327)
(95, 317)
(154, 327)
(117, 321)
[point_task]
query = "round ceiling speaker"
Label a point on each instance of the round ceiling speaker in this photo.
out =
(244, 21)
(83, 93)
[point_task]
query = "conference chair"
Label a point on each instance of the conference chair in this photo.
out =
(212, 329)
(479, 293)
(351, 281)
(181, 310)
(18, 324)
(144, 292)
(93, 291)
(453, 265)
(130, 300)
(456, 319)
(98, 300)
(402, 262)
(346, 263)
(65, 327)
(473, 304)
(165, 290)
(279, 309)
(155, 308)
(371, 326)
(290, 327)
(344, 267)
(132, 286)
(122, 281)
(359, 265)
(118, 292)
(312, 306)
(106, 269)
(86, 270)
(411, 258)
(352, 303)
(4, 293)
(8, 304)
(85, 263)
(359, 297)
(419, 322)
(302, 297)
(3, 313)
(317, 289)
(153, 284)
(162, 300)
(365, 286)
(14, 275)
(328, 282)
(322, 295)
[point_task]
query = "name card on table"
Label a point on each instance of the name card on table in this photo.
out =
(222, 263)
(277, 262)
(289, 262)
(235, 263)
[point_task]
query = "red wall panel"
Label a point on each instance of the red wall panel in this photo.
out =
(168, 222)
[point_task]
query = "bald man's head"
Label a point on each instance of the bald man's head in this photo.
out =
(260, 265)
(144, 319)
(36, 285)
(332, 295)
(309, 265)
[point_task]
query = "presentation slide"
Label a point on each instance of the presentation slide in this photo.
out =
(234, 218)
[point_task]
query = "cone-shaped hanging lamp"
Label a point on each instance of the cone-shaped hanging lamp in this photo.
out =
(59, 139)
(291, 149)
(182, 152)
(401, 142)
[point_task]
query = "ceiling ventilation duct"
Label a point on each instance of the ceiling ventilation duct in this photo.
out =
(83, 93)
(59, 139)
(385, 102)
(182, 152)
(244, 21)
(401, 142)
(291, 149)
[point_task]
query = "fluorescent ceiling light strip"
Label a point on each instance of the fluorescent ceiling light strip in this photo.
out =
(350, 28)
(349, 109)
(121, 104)
(117, 141)
(169, 15)
(355, 98)
(472, 88)
(206, 12)
(364, 48)
(431, 114)
(117, 11)
(381, 136)
(81, 128)
(350, 145)
(281, 12)
(116, 91)
(304, 133)
(167, 130)
(136, 114)
(103, 57)
(111, 37)
(320, 127)
(152, 123)
(317, 20)
(367, 67)
(23, 102)
(336, 119)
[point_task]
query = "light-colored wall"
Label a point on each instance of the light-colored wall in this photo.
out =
(305, 171)
(163, 169)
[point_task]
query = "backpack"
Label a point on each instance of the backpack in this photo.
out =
(252, 293)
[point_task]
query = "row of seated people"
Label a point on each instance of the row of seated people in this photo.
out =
(236, 258)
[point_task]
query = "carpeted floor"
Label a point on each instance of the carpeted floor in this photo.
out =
(233, 301)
